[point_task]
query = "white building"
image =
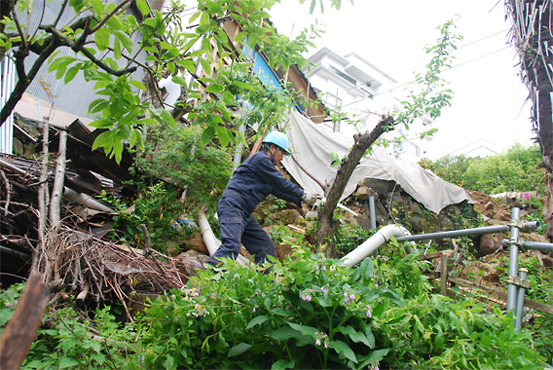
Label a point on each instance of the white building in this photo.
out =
(480, 148)
(364, 92)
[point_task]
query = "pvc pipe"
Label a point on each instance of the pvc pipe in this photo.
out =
(513, 259)
(211, 242)
(467, 232)
(85, 200)
(382, 236)
(522, 274)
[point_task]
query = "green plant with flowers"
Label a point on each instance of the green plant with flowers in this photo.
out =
(307, 313)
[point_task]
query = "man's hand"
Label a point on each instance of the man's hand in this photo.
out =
(309, 198)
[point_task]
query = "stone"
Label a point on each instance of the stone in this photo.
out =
(379, 186)
(290, 216)
(362, 193)
(196, 242)
(489, 243)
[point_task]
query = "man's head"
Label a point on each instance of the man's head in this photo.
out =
(276, 145)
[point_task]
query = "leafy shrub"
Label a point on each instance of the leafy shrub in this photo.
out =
(157, 207)
(513, 171)
(307, 314)
(68, 338)
(176, 156)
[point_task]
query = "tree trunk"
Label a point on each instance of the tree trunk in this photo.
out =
(57, 191)
(326, 225)
(531, 22)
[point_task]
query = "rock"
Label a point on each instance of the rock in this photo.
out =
(190, 261)
(489, 243)
(364, 222)
(547, 262)
(362, 193)
(290, 216)
(379, 186)
(196, 242)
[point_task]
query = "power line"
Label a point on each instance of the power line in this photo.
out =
(426, 60)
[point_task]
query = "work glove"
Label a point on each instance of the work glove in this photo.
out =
(309, 198)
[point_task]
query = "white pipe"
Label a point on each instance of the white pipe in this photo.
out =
(211, 242)
(85, 200)
(382, 236)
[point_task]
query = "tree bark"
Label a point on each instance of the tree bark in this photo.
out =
(326, 225)
(57, 191)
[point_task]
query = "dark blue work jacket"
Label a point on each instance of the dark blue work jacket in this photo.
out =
(256, 178)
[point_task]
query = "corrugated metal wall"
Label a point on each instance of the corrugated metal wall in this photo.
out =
(7, 81)
(77, 94)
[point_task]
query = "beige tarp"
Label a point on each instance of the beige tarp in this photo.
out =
(314, 144)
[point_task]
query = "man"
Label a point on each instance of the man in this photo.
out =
(251, 183)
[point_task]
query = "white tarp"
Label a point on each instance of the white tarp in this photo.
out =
(313, 145)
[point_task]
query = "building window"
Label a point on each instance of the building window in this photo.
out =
(343, 75)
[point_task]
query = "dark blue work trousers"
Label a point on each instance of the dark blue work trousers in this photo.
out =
(238, 227)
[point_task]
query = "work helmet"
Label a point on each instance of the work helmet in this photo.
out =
(279, 139)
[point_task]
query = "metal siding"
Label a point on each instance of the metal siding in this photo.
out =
(7, 81)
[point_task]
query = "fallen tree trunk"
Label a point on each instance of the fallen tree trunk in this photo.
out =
(21, 329)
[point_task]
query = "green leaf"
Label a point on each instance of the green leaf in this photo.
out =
(117, 52)
(223, 135)
(138, 85)
(283, 364)
(284, 333)
(238, 349)
(214, 88)
(304, 329)
(101, 37)
(243, 85)
(142, 5)
(208, 135)
(356, 336)
(342, 347)
(257, 320)
(205, 65)
(67, 362)
(179, 80)
(125, 40)
(102, 139)
(373, 357)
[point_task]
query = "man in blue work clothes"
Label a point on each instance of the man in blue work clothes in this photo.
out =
(250, 184)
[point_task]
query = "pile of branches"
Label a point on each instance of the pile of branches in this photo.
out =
(88, 267)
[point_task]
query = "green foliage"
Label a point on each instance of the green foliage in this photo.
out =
(513, 171)
(157, 207)
(178, 157)
(433, 95)
(315, 316)
(450, 168)
(435, 332)
(348, 237)
(103, 38)
(71, 340)
(68, 338)
(309, 312)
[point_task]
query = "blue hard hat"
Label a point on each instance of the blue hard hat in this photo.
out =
(279, 139)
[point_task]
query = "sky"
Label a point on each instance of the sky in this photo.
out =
(489, 97)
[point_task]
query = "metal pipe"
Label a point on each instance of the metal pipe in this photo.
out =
(467, 232)
(545, 247)
(513, 259)
(522, 274)
(382, 236)
(372, 213)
